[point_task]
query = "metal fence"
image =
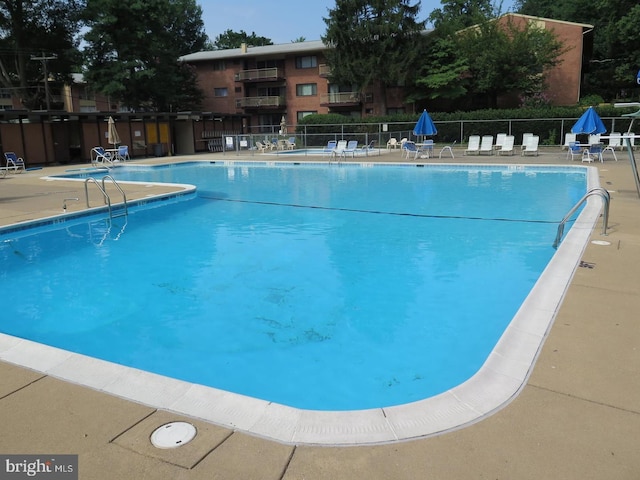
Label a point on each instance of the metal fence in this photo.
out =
(551, 131)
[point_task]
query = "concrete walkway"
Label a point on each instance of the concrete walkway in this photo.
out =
(578, 417)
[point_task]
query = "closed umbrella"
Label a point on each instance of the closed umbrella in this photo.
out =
(425, 126)
(112, 133)
(589, 123)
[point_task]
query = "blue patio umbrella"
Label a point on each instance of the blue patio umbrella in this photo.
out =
(589, 123)
(425, 126)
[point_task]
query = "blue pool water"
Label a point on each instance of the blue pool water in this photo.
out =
(330, 288)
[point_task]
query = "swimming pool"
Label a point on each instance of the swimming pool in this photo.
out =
(357, 215)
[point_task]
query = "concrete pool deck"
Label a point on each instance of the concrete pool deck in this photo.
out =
(577, 417)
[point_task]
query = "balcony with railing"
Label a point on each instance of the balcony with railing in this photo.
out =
(261, 102)
(342, 98)
(324, 70)
(259, 75)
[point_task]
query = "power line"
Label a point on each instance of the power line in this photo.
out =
(44, 59)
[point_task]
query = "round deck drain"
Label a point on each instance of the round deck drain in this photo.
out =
(172, 435)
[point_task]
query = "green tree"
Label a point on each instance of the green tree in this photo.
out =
(614, 61)
(133, 50)
(490, 59)
(30, 30)
(456, 15)
(230, 39)
(506, 58)
(373, 43)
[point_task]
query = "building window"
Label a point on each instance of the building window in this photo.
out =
(310, 61)
(219, 65)
(306, 89)
(395, 111)
(301, 115)
(220, 92)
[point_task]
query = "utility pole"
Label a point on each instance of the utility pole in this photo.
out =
(44, 59)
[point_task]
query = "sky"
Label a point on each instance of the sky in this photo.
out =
(283, 21)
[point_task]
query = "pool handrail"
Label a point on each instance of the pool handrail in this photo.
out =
(606, 198)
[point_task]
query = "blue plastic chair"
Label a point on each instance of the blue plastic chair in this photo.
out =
(574, 150)
(14, 162)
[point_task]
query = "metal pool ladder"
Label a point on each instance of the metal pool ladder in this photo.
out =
(606, 198)
(107, 199)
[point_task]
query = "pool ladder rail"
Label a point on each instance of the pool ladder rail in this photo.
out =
(102, 187)
(606, 198)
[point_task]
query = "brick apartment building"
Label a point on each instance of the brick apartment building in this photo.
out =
(291, 80)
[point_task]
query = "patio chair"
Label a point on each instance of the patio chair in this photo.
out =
(531, 148)
(574, 150)
(410, 148)
(330, 148)
(99, 156)
(568, 138)
(447, 148)
(123, 153)
(525, 138)
(14, 163)
(350, 149)
(486, 146)
(426, 149)
(615, 141)
(507, 145)
(370, 147)
(262, 147)
(473, 146)
(594, 139)
(392, 143)
(291, 143)
(340, 147)
(594, 152)
(499, 140)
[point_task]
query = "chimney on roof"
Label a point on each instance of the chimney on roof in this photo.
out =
(243, 47)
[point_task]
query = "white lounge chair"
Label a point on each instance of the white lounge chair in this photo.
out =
(615, 141)
(499, 140)
(340, 147)
(486, 146)
(473, 146)
(531, 148)
(507, 145)
(568, 139)
(525, 138)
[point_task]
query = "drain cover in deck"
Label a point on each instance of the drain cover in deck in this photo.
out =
(172, 435)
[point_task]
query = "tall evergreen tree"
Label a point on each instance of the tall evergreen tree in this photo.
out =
(373, 43)
(133, 49)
